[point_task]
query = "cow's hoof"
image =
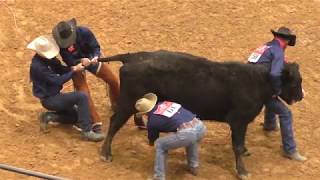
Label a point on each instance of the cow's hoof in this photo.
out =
(107, 158)
(246, 153)
(243, 176)
(142, 127)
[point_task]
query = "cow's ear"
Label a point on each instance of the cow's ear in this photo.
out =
(293, 70)
(294, 67)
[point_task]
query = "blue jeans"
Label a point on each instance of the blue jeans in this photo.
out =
(63, 104)
(188, 138)
(276, 107)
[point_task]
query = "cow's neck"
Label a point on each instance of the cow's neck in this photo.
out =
(266, 86)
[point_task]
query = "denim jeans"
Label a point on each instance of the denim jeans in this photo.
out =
(188, 138)
(276, 107)
(63, 104)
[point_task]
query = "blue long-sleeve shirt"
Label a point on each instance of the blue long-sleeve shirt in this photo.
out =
(86, 46)
(159, 123)
(48, 76)
(274, 56)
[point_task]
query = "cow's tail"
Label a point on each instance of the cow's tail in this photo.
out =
(124, 58)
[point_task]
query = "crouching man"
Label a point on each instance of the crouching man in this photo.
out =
(171, 117)
(48, 76)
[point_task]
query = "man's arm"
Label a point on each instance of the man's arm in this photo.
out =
(277, 65)
(153, 135)
(89, 37)
(60, 69)
(51, 77)
(94, 45)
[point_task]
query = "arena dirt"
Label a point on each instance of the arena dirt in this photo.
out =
(219, 30)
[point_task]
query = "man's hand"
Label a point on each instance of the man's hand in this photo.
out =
(276, 93)
(77, 68)
(94, 60)
(85, 61)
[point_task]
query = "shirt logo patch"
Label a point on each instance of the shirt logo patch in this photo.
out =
(167, 109)
(257, 53)
(71, 49)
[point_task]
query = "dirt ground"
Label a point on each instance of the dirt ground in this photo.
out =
(219, 30)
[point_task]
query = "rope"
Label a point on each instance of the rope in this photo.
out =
(12, 13)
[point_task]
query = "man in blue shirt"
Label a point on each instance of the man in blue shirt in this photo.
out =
(167, 117)
(78, 44)
(48, 76)
(272, 54)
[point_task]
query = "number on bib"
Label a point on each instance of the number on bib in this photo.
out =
(167, 109)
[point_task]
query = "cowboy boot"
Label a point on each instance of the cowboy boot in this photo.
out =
(45, 118)
(114, 88)
(80, 84)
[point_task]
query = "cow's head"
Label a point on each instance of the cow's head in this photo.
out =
(291, 84)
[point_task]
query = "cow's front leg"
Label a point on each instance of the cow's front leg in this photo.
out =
(238, 139)
(118, 119)
(138, 121)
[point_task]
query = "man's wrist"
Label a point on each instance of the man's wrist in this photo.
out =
(73, 68)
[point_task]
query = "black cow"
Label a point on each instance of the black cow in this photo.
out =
(228, 92)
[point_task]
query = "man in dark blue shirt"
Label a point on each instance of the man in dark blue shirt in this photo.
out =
(171, 117)
(78, 44)
(48, 76)
(272, 54)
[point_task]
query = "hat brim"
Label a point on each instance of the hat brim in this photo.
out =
(153, 98)
(52, 52)
(66, 42)
(290, 37)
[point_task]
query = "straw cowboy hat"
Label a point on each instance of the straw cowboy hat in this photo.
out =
(65, 33)
(146, 104)
(44, 46)
(286, 34)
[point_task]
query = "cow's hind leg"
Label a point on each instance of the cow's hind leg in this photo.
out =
(239, 129)
(118, 119)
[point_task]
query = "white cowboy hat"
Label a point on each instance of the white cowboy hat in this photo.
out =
(146, 104)
(44, 46)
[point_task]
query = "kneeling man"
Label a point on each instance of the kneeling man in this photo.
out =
(48, 76)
